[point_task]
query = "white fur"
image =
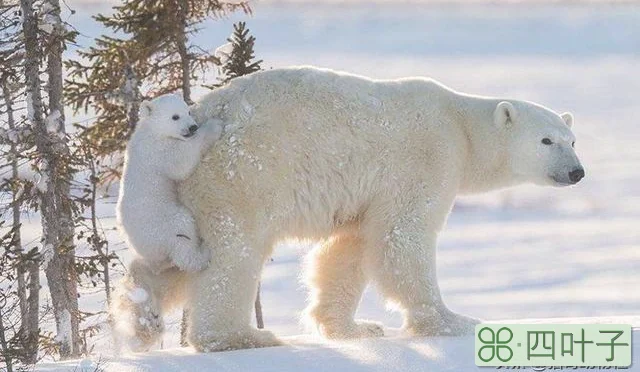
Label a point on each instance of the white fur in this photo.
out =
(141, 299)
(372, 168)
(162, 151)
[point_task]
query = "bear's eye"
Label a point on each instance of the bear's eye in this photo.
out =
(175, 117)
(546, 141)
(573, 144)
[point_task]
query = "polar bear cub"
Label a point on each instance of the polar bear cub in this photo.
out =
(165, 148)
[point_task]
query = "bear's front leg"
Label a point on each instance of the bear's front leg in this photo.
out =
(402, 262)
(223, 295)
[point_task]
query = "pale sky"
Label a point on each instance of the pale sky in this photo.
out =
(435, 2)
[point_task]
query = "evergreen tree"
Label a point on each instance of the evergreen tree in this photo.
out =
(17, 142)
(45, 37)
(154, 52)
(11, 349)
(239, 60)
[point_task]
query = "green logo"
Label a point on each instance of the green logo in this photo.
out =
(495, 344)
(552, 345)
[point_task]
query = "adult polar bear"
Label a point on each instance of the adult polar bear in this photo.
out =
(371, 168)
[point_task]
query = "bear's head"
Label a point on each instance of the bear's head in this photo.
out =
(541, 144)
(168, 116)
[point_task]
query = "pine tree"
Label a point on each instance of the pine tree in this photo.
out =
(44, 41)
(95, 261)
(16, 135)
(11, 349)
(239, 61)
(154, 52)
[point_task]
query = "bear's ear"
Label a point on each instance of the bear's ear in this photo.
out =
(145, 109)
(568, 118)
(505, 114)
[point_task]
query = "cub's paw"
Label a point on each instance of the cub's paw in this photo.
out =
(189, 257)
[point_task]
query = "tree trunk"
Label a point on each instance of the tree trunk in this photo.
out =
(16, 242)
(35, 113)
(58, 218)
(132, 96)
(29, 307)
(183, 52)
(8, 359)
(183, 328)
(53, 151)
(32, 328)
(258, 308)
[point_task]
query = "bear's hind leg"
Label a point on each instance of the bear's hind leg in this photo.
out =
(336, 279)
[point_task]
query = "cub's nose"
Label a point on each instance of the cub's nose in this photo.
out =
(193, 128)
(576, 175)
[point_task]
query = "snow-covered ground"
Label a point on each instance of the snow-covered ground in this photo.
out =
(308, 354)
(523, 253)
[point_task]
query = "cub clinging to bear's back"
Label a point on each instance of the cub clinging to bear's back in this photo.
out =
(165, 148)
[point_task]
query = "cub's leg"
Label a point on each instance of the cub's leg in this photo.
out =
(336, 279)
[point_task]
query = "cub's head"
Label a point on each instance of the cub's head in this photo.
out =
(541, 144)
(168, 116)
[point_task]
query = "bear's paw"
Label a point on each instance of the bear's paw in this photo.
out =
(251, 339)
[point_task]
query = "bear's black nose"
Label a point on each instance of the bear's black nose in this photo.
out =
(193, 128)
(576, 175)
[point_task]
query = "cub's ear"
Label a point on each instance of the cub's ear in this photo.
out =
(568, 118)
(145, 109)
(505, 114)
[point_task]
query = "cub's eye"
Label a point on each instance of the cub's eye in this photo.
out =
(546, 141)
(573, 144)
(175, 117)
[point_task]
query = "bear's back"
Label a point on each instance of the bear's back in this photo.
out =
(308, 91)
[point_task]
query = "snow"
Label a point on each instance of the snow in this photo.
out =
(86, 365)
(138, 295)
(64, 329)
(10, 135)
(129, 91)
(42, 179)
(47, 255)
(49, 21)
(309, 354)
(528, 252)
(52, 122)
(25, 173)
(30, 108)
(223, 52)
